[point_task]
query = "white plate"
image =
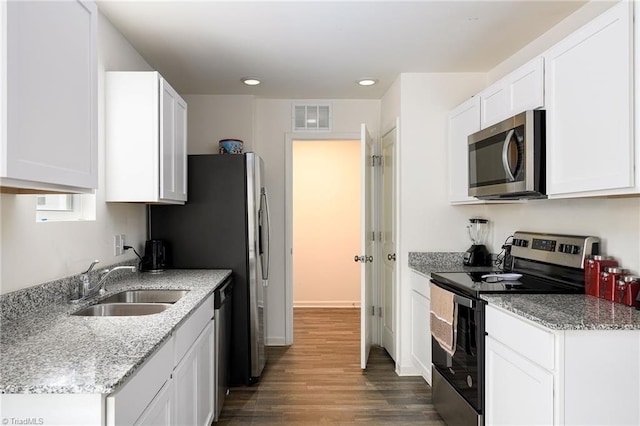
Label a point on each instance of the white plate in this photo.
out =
(503, 277)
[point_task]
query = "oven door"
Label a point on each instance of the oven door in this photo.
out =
(464, 370)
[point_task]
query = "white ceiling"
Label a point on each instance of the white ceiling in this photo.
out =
(318, 49)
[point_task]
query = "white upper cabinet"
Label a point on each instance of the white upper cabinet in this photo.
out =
(521, 90)
(48, 96)
(146, 133)
(589, 102)
(463, 121)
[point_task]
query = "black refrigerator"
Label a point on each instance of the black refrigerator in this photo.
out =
(225, 225)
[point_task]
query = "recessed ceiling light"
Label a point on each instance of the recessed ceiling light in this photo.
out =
(250, 81)
(367, 82)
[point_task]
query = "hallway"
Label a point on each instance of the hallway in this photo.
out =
(318, 380)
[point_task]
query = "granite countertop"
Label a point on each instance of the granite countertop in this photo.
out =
(428, 262)
(50, 351)
(568, 311)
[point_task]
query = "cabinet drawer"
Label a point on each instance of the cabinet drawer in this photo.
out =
(420, 283)
(189, 331)
(530, 341)
(127, 404)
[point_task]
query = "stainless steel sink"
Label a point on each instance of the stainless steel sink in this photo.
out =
(122, 309)
(146, 296)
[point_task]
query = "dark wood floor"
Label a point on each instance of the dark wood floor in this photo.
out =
(318, 380)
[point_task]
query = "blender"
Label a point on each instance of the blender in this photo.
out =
(477, 254)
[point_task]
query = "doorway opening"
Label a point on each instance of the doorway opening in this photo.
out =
(326, 223)
(301, 137)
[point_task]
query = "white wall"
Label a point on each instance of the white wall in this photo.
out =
(33, 253)
(215, 117)
(326, 223)
(271, 126)
(426, 221)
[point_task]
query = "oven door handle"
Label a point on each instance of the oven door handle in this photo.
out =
(469, 303)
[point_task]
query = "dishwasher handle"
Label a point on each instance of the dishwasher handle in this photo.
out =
(223, 294)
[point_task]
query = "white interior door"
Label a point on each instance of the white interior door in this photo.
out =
(389, 242)
(366, 246)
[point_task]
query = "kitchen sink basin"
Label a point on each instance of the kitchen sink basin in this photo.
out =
(145, 296)
(122, 309)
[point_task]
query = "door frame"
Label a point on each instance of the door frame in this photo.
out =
(288, 200)
(393, 126)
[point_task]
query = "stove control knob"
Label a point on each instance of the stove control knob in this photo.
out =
(561, 248)
(575, 250)
(524, 243)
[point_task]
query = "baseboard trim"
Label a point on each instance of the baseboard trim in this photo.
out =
(327, 304)
(276, 341)
(407, 370)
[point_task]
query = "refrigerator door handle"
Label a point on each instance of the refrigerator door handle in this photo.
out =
(264, 234)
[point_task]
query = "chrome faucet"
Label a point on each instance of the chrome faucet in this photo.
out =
(86, 291)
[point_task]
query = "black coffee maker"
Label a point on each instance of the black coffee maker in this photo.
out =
(477, 254)
(155, 256)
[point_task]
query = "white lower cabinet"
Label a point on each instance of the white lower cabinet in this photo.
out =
(175, 385)
(420, 327)
(193, 383)
(160, 410)
(516, 389)
(535, 375)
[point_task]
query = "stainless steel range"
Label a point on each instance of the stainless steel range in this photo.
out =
(539, 263)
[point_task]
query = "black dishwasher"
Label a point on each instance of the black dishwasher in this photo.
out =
(222, 335)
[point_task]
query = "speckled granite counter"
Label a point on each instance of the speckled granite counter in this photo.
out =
(428, 262)
(569, 311)
(49, 351)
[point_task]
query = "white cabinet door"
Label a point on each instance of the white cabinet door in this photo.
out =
(160, 410)
(494, 101)
(463, 121)
(517, 391)
(206, 377)
(146, 132)
(521, 90)
(173, 144)
(49, 125)
(185, 380)
(589, 95)
(526, 87)
(421, 334)
(193, 381)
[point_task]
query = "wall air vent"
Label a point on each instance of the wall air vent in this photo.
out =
(311, 118)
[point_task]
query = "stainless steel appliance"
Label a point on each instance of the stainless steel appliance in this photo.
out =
(507, 160)
(546, 263)
(222, 299)
(225, 225)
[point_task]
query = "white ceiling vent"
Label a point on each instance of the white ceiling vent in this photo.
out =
(311, 117)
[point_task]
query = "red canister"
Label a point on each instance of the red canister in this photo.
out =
(609, 284)
(627, 290)
(593, 268)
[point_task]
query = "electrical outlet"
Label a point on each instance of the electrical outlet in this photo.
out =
(117, 245)
(122, 243)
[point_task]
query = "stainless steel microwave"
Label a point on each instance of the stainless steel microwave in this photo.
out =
(507, 160)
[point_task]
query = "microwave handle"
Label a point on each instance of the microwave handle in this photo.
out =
(505, 158)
